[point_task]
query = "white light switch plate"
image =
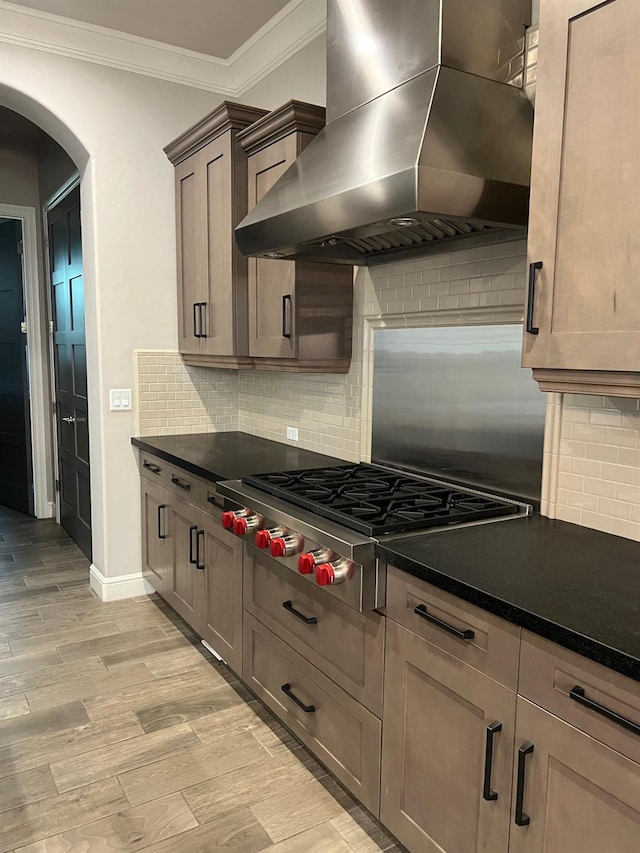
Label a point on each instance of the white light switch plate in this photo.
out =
(292, 433)
(120, 399)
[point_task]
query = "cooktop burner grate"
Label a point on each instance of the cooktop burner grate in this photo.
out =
(376, 501)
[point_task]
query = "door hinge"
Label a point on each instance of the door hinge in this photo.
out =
(23, 327)
(20, 247)
(46, 242)
(57, 485)
(54, 408)
(51, 329)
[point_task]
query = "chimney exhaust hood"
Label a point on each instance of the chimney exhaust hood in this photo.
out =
(427, 139)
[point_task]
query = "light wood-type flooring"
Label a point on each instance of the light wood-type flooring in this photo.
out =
(118, 732)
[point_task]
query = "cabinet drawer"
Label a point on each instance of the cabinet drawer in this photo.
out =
(548, 674)
(346, 645)
(344, 735)
(154, 469)
(492, 645)
(199, 492)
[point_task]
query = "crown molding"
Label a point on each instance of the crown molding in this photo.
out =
(298, 23)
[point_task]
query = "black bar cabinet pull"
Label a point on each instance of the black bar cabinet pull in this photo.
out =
(531, 297)
(155, 469)
(308, 620)
(308, 709)
(286, 313)
(196, 334)
(161, 535)
(203, 333)
(192, 559)
(522, 819)
(199, 565)
(578, 695)
(492, 730)
(467, 634)
(182, 484)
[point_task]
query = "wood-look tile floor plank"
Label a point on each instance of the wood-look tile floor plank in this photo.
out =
(34, 821)
(120, 757)
(129, 830)
(47, 676)
(41, 722)
(14, 706)
(86, 687)
(77, 740)
(27, 787)
(238, 832)
(191, 767)
(120, 699)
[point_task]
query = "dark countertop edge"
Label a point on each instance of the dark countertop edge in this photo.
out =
(611, 658)
(177, 460)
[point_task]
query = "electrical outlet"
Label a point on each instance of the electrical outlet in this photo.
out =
(120, 399)
(292, 433)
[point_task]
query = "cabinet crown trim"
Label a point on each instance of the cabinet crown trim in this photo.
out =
(600, 382)
(294, 116)
(228, 116)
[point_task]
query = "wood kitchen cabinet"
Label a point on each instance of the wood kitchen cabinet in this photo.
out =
(578, 794)
(211, 198)
(189, 559)
(300, 314)
(583, 312)
(447, 750)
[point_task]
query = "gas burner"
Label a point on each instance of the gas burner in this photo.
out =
(378, 501)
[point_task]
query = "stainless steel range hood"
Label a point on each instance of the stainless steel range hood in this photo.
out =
(427, 140)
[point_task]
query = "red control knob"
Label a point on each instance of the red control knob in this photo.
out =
(306, 564)
(227, 519)
(324, 574)
(240, 526)
(263, 538)
(278, 547)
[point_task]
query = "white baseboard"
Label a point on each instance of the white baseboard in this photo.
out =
(121, 586)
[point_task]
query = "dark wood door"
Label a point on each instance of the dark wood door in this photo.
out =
(579, 795)
(65, 252)
(15, 439)
(437, 711)
(222, 620)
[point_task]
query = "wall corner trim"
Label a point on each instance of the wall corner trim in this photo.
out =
(119, 587)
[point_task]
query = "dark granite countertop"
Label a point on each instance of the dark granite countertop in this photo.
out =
(574, 586)
(230, 455)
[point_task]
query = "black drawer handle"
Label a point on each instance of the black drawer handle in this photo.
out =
(308, 709)
(215, 499)
(531, 297)
(578, 695)
(467, 634)
(487, 792)
(155, 469)
(161, 535)
(192, 558)
(308, 620)
(522, 819)
(203, 333)
(183, 484)
(199, 565)
(286, 315)
(196, 334)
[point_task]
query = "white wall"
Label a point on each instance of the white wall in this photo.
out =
(302, 77)
(115, 125)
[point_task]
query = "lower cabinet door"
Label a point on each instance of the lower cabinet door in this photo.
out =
(184, 591)
(336, 728)
(221, 621)
(156, 535)
(447, 750)
(573, 794)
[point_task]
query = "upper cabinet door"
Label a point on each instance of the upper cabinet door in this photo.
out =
(189, 235)
(216, 309)
(585, 193)
(272, 284)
